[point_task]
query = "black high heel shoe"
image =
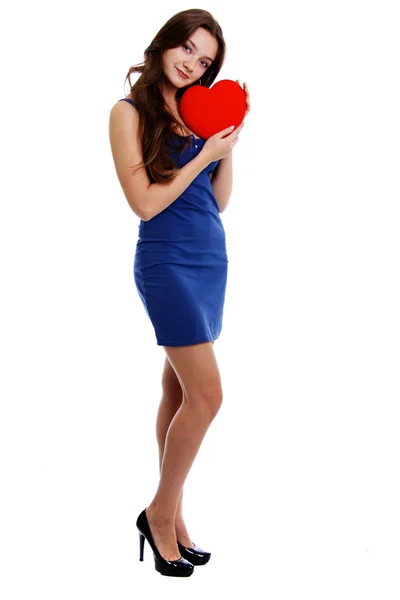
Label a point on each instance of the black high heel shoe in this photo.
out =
(196, 555)
(173, 568)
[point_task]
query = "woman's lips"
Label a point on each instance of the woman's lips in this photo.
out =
(182, 74)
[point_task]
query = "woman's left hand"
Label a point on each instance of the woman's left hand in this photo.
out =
(245, 89)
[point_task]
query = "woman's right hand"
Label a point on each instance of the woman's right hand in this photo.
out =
(220, 144)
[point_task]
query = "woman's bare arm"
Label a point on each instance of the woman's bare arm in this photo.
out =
(145, 199)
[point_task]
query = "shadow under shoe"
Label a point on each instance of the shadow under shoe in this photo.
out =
(195, 555)
(173, 568)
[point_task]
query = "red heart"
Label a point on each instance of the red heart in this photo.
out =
(207, 111)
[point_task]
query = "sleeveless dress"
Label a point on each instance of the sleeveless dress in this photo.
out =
(181, 264)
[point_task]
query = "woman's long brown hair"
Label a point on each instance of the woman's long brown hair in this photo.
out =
(155, 120)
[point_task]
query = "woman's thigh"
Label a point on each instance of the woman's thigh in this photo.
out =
(170, 382)
(197, 372)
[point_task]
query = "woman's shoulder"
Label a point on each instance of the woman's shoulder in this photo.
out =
(121, 115)
(128, 99)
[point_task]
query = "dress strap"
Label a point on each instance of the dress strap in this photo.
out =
(128, 100)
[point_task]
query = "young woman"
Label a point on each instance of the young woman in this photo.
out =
(178, 188)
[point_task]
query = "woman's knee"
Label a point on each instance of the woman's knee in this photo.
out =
(208, 401)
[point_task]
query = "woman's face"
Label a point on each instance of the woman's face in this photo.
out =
(193, 58)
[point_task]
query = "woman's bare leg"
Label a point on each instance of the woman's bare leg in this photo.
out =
(172, 398)
(197, 372)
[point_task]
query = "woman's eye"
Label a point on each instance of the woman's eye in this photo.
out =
(203, 61)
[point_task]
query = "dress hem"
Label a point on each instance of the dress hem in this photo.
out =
(199, 341)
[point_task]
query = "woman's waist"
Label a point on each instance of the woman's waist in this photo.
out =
(183, 226)
(192, 251)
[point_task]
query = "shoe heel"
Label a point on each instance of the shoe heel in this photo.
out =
(141, 541)
(174, 568)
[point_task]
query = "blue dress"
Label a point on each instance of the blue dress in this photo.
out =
(181, 264)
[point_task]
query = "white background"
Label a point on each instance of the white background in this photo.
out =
(295, 488)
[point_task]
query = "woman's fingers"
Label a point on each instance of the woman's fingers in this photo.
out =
(246, 90)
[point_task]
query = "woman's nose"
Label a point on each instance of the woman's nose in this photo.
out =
(189, 65)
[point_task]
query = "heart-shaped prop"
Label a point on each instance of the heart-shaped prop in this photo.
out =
(206, 111)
